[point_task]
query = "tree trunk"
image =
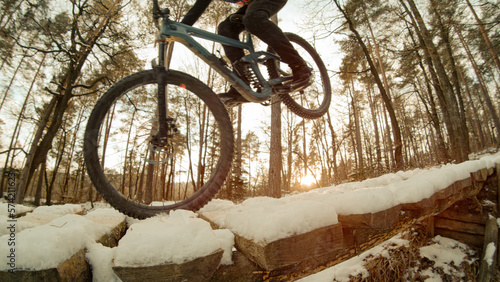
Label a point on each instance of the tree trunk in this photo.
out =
(25, 174)
(485, 36)
(38, 192)
(357, 132)
(333, 157)
(67, 174)
(275, 161)
(484, 88)
(459, 134)
(398, 155)
(445, 35)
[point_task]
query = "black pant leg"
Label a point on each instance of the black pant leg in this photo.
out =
(232, 30)
(256, 21)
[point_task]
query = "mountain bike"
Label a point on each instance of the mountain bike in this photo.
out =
(160, 139)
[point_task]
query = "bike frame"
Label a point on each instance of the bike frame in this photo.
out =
(172, 31)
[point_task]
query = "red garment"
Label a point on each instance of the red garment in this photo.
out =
(241, 2)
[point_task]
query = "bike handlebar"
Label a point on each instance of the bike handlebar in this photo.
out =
(156, 10)
(159, 13)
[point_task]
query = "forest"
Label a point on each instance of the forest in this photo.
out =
(415, 84)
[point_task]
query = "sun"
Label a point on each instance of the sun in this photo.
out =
(307, 180)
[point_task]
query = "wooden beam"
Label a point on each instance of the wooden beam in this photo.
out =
(464, 217)
(488, 263)
(200, 269)
(469, 239)
(498, 203)
(303, 251)
(459, 226)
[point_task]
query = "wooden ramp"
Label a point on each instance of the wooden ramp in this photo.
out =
(303, 254)
(453, 211)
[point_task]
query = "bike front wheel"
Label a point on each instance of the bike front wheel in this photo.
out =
(313, 101)
(139, 176)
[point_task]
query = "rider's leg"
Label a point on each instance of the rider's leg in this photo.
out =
(256, 21)
(232, 29)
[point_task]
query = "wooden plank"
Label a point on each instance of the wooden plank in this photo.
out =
(304, 250)
(75, 268)
(497, 170)
(442, 200)
(459, 226)
(487, 267)
(381, 220)
(430, 225)
(355, 237)
(111, 238)
(480, 175)
(464, 217)
(469, 239)
(200, 269)
(242, 269)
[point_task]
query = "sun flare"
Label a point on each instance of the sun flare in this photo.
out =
(307, 180)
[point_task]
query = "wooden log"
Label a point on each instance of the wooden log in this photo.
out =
(382, 220)
(111, 238)
(498, 202)
(242, 270)
(480, 175)
(75, 268)
(200, 269)
(115, 223)
(488, 263)
(443, 199)
(355, 237)
(302, 251)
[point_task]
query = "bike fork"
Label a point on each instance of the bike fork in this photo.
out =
(164, 123)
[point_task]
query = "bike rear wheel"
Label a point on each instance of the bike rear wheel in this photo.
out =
(313, 101)
(141, 178)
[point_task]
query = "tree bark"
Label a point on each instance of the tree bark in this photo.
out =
(275, 161)
(485, 36)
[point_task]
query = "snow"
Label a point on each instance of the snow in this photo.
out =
(268, 219)
(265, 219)
(176, 238)
(100, 259)
(41, 215)
(354, 266)
(61, 237)
(489, 253)
(19, 209)
(444, 252)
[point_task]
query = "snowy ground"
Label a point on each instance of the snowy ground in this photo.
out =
(50, 235)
